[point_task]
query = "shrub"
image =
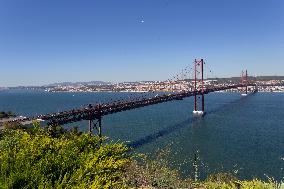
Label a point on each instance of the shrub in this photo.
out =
(56, 158)
(38, 160)
(221, 178)
(154, 173)
(6, 114)
(13, 125)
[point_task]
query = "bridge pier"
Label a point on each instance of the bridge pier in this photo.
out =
(255, 89)
(203, 103)
(196, 111)
(99, 128)
(97, 125)
(245, 83)
(90, 125)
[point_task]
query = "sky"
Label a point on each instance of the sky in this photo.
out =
(47, 41)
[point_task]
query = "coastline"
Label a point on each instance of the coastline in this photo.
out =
(152, 91)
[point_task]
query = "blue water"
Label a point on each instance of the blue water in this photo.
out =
(241, 134)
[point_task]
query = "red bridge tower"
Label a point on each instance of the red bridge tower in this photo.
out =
(198, 86)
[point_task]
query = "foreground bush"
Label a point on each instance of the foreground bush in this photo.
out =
(155, 173)
(37, 160)
(34, 158)
(6, 114)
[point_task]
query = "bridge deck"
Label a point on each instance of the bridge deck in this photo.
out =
(92, 112)
(95, 111)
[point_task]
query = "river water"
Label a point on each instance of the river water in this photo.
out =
(244, 135)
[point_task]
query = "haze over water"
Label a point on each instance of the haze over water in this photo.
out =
(237, 133)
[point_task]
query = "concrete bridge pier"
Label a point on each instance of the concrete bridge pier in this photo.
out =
(244, 80)
(97, 125)
(90, 124)
(197, 112)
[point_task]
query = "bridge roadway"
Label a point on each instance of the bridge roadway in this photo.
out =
(93, 112)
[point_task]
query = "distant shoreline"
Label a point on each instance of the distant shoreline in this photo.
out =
(54, 91)
(152, 91)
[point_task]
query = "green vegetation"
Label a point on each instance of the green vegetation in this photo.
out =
(55, 158)
(36, 159)
(6, 114)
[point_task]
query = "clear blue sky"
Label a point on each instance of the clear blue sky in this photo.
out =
(46, 41)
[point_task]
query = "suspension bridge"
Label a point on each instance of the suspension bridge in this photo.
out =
(94, 112)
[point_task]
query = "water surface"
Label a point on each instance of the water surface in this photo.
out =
(238, 133)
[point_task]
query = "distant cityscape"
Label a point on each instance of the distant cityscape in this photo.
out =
(265, 84)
